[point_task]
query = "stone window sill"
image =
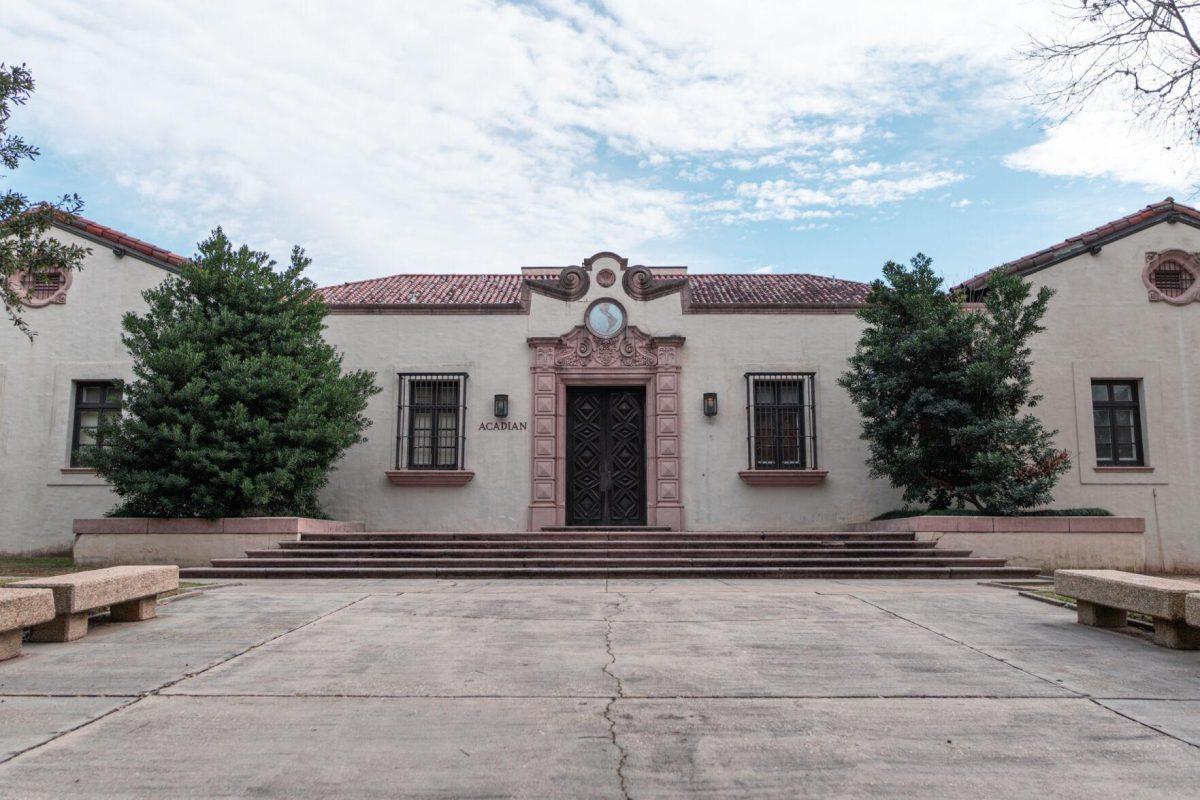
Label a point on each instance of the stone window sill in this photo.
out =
(429, 477)
(1106, 470)
(783, 477)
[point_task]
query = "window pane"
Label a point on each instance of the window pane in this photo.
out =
(789, 393)
(422, 393)
(1124, 435)
(1126, 452)
(93, 394)
(1104, 451)
(1122, 392)
(112, 395)
(1103, 435)
(764, 393)
(1123, 416)
(448, 393)
(1100, 392)
(1100, 416)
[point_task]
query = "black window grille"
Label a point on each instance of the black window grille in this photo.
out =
(1117, 416)
(432, 430)
(94, 401)
(781, 421)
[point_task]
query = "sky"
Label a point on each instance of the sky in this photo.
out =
(481, 136)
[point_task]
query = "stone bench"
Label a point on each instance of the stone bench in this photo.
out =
(130, 593)
(21, 609)
(1105, 596)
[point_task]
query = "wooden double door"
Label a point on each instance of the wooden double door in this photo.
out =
(606, 456)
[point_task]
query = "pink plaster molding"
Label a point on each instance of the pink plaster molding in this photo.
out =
(783, 477)
(579, 358)
(429, 477)
(1190, 262)
(17, 282)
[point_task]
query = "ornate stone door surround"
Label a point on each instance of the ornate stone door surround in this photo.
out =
(579, 358)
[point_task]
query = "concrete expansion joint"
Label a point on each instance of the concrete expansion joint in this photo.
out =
(1052, 682)
(619, 694)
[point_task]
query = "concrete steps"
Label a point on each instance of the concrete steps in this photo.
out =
(600, 553)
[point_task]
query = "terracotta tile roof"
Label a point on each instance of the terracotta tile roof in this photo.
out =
(504, 291)
(485, 291)
(118, 239)
(773, 291)
(1150, 215)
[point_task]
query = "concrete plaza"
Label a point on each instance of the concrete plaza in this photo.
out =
(383, 689)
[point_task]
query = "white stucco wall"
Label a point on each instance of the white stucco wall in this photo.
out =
(718, 351)
(1100, 325)
(76, 341)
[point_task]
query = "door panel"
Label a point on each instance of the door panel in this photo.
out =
(606, 457)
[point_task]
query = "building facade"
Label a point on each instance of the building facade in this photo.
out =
(612, 394)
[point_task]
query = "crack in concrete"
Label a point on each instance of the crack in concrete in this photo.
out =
(156, 690)
(1144, 724)
(622, 755)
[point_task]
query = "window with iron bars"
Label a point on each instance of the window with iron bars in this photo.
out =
(432, 423)
(781, 421)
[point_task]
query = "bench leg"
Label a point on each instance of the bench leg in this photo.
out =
(63, 628)
(10, 644)
(134, 610)
(1100, 616)
(1176, 634)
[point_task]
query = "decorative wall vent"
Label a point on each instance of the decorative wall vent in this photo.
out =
(1172, 276)
(39, 290)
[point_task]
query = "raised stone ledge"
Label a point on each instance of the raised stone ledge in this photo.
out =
(783, 477)
(20, 608)
(1191, 610)
(1046, 543)
(86, 591)
(284, 525)
(429, 477)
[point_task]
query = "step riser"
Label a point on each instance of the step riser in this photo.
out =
(633, 572)
(541, 544)
(401, 552)
(583, 536)
(450, 563)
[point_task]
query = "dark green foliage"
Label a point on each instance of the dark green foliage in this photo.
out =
(23, 246)
(942, 390)
(903, 513)
(239, 407)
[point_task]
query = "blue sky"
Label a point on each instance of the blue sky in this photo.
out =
(481, 136)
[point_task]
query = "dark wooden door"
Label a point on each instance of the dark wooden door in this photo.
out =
(606, 456)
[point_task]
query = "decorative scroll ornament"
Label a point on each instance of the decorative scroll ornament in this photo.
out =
(641, 284)
(581, 348)
(1172, 276)
(572, 284)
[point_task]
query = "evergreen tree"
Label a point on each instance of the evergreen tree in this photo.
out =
(239, 407)
(942, 389)
(23, 245)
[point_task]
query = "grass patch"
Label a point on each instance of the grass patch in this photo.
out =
(901, 513)
(15, 569)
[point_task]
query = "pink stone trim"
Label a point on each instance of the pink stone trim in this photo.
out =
(783, 477)
(126, 525)
(939, 524)
(580, 359)
(429, 477)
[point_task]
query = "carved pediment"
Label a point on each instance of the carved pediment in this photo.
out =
(581, 348)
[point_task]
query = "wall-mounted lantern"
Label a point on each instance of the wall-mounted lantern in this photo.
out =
(710, 404)
(500, 403)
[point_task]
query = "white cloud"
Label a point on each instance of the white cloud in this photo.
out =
(473, 135)
(962, 203)
(1104, 142)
